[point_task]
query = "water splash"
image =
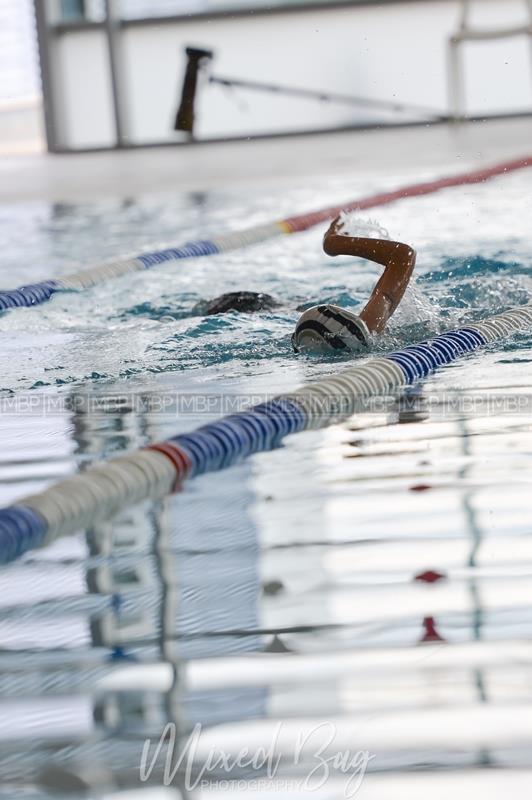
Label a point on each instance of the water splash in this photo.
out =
(351, 224)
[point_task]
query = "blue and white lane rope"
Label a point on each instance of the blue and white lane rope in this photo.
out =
(99, 493)
(38, 293)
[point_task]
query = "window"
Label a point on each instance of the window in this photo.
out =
(18, 51)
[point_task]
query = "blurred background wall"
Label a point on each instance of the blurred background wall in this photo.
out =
(103, 58)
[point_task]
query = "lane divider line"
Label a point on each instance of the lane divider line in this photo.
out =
(157, 470)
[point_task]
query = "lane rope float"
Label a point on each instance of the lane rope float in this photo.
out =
(159, 469)
(37, 293)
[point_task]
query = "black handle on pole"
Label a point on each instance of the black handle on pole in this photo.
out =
(185, 115)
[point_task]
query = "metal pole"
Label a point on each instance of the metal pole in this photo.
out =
(329, 97)
(47, 76)
(114, 42)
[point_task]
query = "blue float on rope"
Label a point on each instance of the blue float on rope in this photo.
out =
(21, 529)
(220, 444)
(420, 360)
(30, 295)
(188, 250)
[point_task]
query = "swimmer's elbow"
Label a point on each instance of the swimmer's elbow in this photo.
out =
(404, 256)
(408, 252)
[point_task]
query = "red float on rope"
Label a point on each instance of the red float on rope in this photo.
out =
(178, 457)
(304, 221)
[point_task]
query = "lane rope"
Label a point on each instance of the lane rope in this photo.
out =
(161, 468)
(37, 293)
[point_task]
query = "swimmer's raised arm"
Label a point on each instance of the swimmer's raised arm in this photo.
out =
(398, 259)
(331, 327)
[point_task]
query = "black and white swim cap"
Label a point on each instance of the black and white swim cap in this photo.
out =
(329, 327)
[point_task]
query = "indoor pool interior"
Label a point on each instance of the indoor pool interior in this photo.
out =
(364, 590)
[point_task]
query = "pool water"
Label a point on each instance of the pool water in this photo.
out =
(361, 595)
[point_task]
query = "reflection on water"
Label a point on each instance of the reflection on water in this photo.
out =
(355, 606)
(380, 605)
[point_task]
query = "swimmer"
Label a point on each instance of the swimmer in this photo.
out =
(247, 302)
(330, 327)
